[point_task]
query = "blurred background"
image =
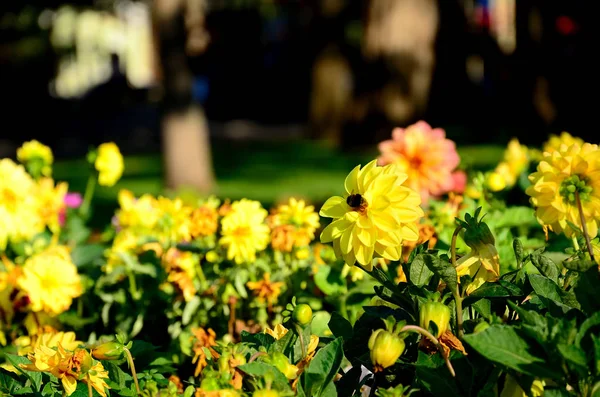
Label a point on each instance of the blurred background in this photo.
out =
(267, 98)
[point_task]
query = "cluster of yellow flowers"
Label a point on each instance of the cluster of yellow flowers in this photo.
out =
(28, 206)
(566, 186)
(515, 162)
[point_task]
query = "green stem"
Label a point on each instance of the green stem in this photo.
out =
(584, 226)
(90, 391)
(575, 243)
(457, 297)
(133, 285)
(302, 345)
(427, 334)
(88, 195)
(133, 373)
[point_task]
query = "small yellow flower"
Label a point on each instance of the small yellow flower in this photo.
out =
(496, 180)
(302, 217)
(109, 164)
(96, 377)
(377, 214)
(277, 332)
(173, 223)
(561, 177)
(554, 143)
(265, 290)
(51, 201)
(50, 280)
(137, 213)
(482, 264)
(204, 221)
(37, 157)
(243, 231)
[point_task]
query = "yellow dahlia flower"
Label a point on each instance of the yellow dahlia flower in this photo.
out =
(204, 221)
(173, 220)
(244, 231)
(560, 177)
(96, 377)
(18, 204)
(482, 264)
(109, 164)
(515, 161)
(50, 280)
(299, 215)
(56, 362)
(137, 213)
(36, 157)
(373, 219)
(556, 141)
(265, 290)
(51, 201)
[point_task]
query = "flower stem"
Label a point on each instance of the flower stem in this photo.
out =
(457, 297)
(584, 226)
(133, 373)
(302, 345)
(427, 334)
(256, 355)
(88, 195)
(90, 392)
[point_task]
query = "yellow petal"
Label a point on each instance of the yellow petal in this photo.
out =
(69, 384)
(334, 207)
(334, 230)
(346, 241)
(367, 236)
(351, 181)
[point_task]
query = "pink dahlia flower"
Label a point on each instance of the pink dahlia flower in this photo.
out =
(426, 156)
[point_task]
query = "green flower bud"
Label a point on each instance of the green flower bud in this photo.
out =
(435, 312)
(518, 248)
(223, 362)
(83, 359)
(108, 351)
(477, 233)
(302, 314)
(240, 358)
(482, 326)
(385, 348)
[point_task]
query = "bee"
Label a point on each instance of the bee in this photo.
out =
(357, 202)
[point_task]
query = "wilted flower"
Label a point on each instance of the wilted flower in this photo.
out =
(36, 157)
(425, 155)
(377, 214)
(203, 340)
(204, 221)
(181, 270)
(109, 164)
(244, 231)
(50, 280)
(561, 176)
(283, 238)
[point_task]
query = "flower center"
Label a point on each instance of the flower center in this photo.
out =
(357, 203)
(575, 184)
(242, 231)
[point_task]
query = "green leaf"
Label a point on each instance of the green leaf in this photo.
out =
(503, 345)
(545, 265)
(545, 287)
(34, 377)
(260, 370)
(499, 289)
(419, 272)
(589, 323)
(320, 321)
(579, 265)
(340, 327)
(586, 290)
(596, 342)
(86, 254)
(81, 390)
(434, 377)
(443, 269)
(330, 281)
(573, 354)
(323, 368)
(483, 307)
(257, 340)
(241, 277)
(556, 393)
(190, 309)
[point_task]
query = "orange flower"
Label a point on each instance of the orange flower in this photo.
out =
(426, 233)
(265, 289)
(204, 221)
(425, 155)
(282, 238)
(203, 339)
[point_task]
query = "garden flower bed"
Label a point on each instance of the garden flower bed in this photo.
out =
(419, 277)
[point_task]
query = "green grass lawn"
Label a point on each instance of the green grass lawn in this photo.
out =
(265, 171)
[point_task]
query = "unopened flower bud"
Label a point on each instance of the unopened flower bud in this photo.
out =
(435, 312)
(108, 351)
(385, 348)
(302, 314)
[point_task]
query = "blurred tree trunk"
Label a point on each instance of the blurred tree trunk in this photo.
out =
(401, 34)
(180, 33)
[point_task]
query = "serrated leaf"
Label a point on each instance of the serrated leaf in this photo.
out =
(503, 345)
(443, 269)
(545, 265)
(420, 274)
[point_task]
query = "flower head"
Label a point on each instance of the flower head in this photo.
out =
(203, 340)
(302, 219)
(109, 164)
(561, 178)
(181, 269)
(554, 143)
(265, 289)
(36, 157)
(50, 280)
(244, 231)
(204, 221)
(377, 214)
(515, 161)
(425, 155)
(482, 264)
